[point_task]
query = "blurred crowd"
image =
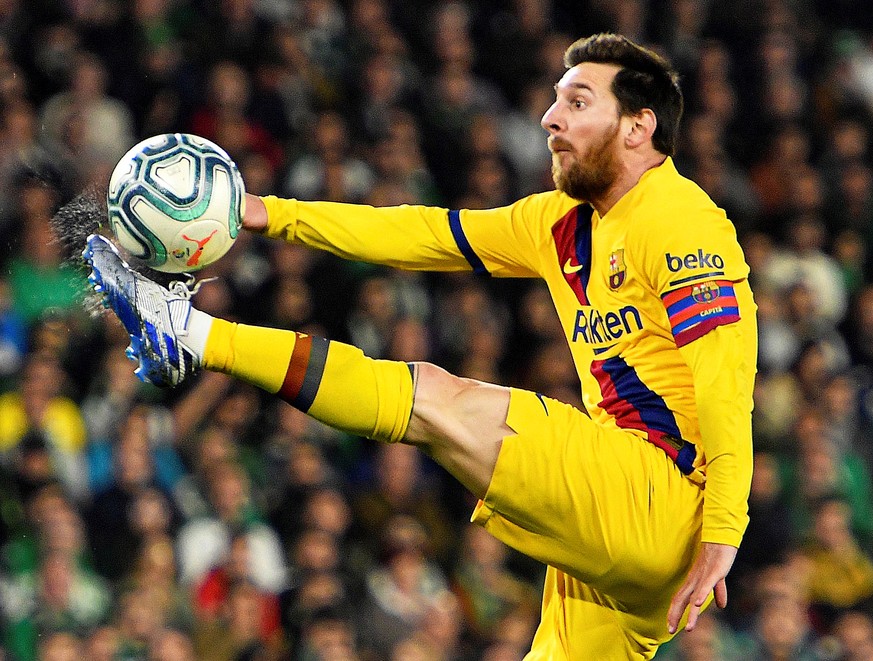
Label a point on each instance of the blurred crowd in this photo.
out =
(215, 523)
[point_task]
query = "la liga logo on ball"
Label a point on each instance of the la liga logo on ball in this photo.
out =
(176, 202)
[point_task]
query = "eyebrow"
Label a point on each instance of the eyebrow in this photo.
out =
(578, 86)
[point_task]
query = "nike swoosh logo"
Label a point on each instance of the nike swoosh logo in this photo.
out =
(572, 268)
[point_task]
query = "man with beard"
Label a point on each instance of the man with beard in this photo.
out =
(651, 288)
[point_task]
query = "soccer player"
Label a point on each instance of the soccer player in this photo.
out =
(638, 507)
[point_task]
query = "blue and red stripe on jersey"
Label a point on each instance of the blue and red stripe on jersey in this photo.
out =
(635, 406)
(696, 309)
(572, 235)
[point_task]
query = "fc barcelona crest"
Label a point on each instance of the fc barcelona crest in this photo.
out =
(705, 292)
(617, 269)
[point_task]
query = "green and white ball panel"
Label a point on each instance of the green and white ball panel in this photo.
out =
(177, 174)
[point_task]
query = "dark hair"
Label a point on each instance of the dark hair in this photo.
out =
(646, 80)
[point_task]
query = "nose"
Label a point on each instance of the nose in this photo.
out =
(552, 121)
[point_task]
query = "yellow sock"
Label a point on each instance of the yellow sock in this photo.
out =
(331, 381)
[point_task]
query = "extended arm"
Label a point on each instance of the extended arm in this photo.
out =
(410, 237)
(723, 365)
(502, 242)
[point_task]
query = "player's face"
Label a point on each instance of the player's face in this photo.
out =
(583, 125)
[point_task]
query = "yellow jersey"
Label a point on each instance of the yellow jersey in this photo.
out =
(634, 290)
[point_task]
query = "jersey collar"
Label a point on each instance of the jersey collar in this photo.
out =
(650, 178)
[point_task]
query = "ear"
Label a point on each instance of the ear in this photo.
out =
(642, 128)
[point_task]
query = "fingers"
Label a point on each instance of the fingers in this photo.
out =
(694, 592)
(693, 613)
(706, 577)
(721, 594)
(678, 605)
(700, 597)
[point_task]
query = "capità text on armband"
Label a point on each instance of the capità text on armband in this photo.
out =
(596, 327)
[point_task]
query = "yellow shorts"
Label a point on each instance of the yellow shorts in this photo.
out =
(613, 517)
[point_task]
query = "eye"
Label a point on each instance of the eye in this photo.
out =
(579, 104)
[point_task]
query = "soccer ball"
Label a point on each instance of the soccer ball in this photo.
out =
(176, 202)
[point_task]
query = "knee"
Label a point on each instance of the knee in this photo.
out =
(460, 422)
(447, 407)
(437, 400)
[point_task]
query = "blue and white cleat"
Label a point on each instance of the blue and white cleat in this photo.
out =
(154, 317)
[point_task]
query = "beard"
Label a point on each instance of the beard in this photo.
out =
(590, 176)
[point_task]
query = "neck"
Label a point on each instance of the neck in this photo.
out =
(627, 179)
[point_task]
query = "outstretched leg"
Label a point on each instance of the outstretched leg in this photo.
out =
(331, 381)
(460, 422)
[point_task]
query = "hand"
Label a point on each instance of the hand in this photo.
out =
(707, 575)
(255, 215)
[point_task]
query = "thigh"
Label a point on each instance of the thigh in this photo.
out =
(580, 622)
(601, 504)
(577, 623)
